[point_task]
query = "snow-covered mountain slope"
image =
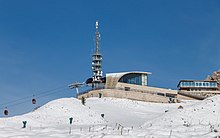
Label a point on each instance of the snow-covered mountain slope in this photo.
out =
(136, 119)
(198, 120)
(56, 113)
(128, 112)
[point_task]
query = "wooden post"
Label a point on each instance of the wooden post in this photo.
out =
(170, 133)
(70, 130)
(121, 130)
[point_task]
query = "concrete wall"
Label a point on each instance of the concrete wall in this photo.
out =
(196, 94)
(204, 93)
(111, 82)
(140, 96)
(146, 89)
(145, 93)
(182, 97)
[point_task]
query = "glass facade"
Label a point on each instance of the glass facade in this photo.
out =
(138, 79)
(198, 84)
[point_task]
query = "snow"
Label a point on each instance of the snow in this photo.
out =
(127, 112)
(55, 113)
(198, 120)
(122, 118)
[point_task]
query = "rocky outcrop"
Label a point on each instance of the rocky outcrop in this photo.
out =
(216, 77)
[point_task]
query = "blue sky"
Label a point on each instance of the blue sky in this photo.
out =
(46, 44)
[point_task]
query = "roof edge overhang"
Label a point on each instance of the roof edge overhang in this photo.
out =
(120, 74)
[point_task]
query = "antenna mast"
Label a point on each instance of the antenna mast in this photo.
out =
(97, 38)
(97, 58)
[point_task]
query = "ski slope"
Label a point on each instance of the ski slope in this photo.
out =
(201, 119)
(122, 118)
(128, 112)
(56, 113)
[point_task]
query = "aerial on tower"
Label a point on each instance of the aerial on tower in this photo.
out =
(97, 58)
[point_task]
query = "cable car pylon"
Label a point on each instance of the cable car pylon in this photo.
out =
(76, 85)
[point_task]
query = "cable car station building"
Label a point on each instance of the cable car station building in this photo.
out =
(134, 84)
(197, 85)
(116, 80)
(131, 85)
(198, 89)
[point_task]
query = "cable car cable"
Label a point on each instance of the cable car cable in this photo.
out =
(28, 100)
(42, 93)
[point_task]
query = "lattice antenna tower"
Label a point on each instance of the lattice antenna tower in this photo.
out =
(97, 58)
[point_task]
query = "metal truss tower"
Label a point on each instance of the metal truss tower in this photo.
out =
(97, 58)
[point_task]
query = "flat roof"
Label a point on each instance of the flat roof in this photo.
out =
(120, 74)
(197, 80)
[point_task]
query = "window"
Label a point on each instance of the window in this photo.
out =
(184, 84)
(138, 79)
(127, 88)
(213, 84)
(207, 84)
(190, 84)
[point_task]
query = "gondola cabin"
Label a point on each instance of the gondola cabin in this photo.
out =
(5, 112)
(34, 101)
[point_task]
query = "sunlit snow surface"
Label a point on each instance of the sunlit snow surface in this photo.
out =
(122, 118)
